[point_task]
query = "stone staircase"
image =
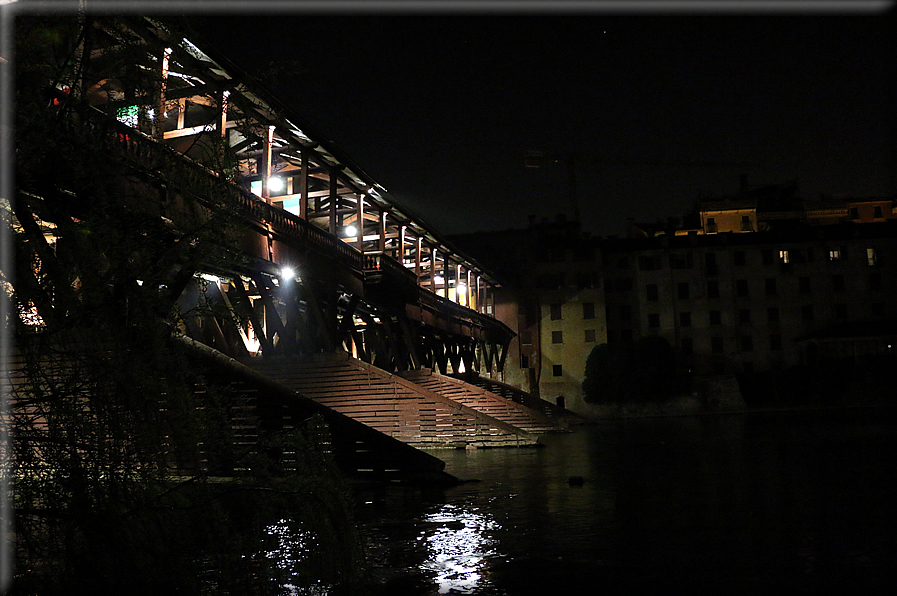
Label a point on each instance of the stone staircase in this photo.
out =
(486, 402)
(393, 405)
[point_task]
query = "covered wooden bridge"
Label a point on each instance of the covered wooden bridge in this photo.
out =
(300, 253)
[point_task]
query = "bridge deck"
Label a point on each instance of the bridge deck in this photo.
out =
(485, 401)
(391, 404)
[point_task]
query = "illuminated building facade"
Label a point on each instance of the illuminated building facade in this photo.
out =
(800, 287)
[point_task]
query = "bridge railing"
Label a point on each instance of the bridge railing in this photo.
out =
(188, 175)
(206, 186)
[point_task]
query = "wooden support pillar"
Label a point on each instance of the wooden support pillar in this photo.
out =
(433, 269)
(266, 163)
(222, 116)
(420, 244)
(383, 231)
(359, 224)
(401, 256)
(445, 275)
(479, 303)
(182, 110)
(458, 283)
(334, 201)
(303, 185)
(468, 293)
(160, 109)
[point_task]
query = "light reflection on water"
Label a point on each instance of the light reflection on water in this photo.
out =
(287, 546)
(458, 546)
(741, 503)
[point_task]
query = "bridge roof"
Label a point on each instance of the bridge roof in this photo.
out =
(205, 70)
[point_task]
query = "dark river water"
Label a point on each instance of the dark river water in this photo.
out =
(791, 502)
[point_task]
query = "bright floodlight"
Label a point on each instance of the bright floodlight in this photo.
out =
(287, 273)
(350, 231)
(439, 279)
(275, 184)
(462, 288)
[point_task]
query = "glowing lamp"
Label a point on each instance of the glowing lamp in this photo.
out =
(287, 273)
(350, 231)
(275, 184)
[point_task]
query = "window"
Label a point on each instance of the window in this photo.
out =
(840, 311)
(685, 319)
(712, 289)
(834, 254)
(651, 292)
(716, 345)
(741, 288)
(557, 337)
(680, 261)
(526, 338)
(875, 281)
(772, 315)
(711, 225)
(524, 361)
(587, 279)
(806, 312)
(716, 317)
(784, 257)
(775, 342)
(768, 257)
(687, 345)
(803, 284)
(555, 311)
(654, 321)
(590, 336)
(746, 223)
(871, 257)
(854, 213)
(770, 284)
(649, 263)
(588, 310)
(557, 370)
(876, 212)
(837, 283)
(746, 343)
(710, 263)
(682, 290)
(623, 285)
(738, 258)
(744, 316)
(625, 312)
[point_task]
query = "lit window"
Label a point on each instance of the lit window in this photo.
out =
(834, 255)
(784, 257)
(871, 258)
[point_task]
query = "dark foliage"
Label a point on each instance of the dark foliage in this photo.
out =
(637, 371)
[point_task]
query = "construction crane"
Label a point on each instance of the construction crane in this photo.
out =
(538, 159)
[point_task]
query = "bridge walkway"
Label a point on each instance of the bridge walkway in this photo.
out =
(485, 401)
(393, 405)
(558, 414)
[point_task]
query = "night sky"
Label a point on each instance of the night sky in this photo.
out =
(441, 109)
